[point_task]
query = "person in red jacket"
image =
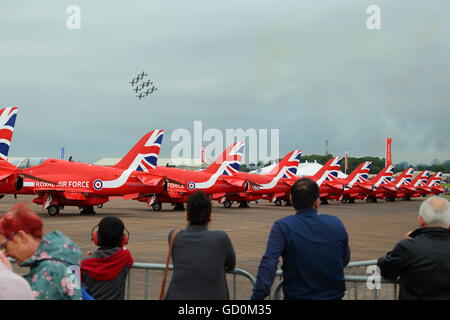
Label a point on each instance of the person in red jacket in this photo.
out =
(104, 273)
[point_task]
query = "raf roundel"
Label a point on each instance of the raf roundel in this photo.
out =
(191, 185)
(255, 187)
(98, 184)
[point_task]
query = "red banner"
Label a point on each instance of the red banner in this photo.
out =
(388, 152)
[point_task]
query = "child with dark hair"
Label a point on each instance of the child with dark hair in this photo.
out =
(104, 272)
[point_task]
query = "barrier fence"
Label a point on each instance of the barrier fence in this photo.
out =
(145, 279)
(360, 282)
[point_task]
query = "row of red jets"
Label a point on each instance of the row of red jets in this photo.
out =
(59, 183)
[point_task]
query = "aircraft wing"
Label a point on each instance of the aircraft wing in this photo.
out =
(154, 179)
(68, 193)
(5, 174)
(289, 182)
(236, 182)
(150, 179)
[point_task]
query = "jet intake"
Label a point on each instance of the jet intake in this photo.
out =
(19, 183)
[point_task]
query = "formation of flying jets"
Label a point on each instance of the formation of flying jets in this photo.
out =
(59, 183)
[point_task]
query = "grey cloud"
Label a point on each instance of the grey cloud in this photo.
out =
(311, 69)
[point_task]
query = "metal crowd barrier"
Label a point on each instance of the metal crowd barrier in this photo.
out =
(356, 280)
(147, 267)
(355, 274)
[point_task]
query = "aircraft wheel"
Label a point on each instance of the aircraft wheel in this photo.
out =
(351, 201)
(53, 210)
(227, 204)
(344, 201)
(324, 202)
(157, 206)
(277, 202)
(100, 205)
(287, 203)
(2, 196)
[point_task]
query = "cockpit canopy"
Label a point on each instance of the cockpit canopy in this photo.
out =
(27, 162)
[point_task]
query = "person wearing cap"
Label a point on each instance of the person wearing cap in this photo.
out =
(104, 273)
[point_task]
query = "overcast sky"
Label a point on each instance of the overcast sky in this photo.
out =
(311, 69)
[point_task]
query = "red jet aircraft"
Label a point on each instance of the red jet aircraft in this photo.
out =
(279, 190)
(87, 185)
(353, 184)
(434, 184)
(366, 189)
(393, 189)
(217, 180)
(265, 184)
(416, 188)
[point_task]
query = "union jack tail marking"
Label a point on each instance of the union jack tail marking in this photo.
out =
(144, 155)
(232, 156)
(289, 165)
(7, 122)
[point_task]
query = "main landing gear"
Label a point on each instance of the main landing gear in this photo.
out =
(88, 210)
(157, 206)
(324, 202)
(278, 203)
(243, 204)
(227, 204)
(53, 210)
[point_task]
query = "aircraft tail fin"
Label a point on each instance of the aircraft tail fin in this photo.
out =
(144, 155)
(421, 179)
(329, 171)
(434, 180)
(7, 122)
(360, 174)
(404, 178)
(384, 176)
(229, 161)
(289, 165)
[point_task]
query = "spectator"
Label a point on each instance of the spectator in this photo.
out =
(200, 257)
(49, 258)
(12, 286)
(422, 261)
(314, 248)
(104, 273)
